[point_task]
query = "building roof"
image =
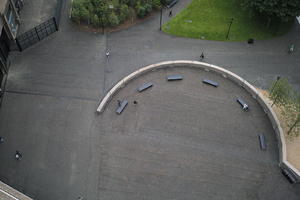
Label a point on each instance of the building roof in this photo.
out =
(2, 5)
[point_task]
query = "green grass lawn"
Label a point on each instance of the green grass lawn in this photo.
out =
(209, 19)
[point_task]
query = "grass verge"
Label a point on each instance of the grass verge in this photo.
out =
(210, 19)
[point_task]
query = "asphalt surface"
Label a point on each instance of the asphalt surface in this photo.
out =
(188, 140)
(35, 12)
(53, 90)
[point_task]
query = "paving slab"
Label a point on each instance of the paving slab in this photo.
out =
(188, 141)
(35, 12)
(54, 87)
(58, 144)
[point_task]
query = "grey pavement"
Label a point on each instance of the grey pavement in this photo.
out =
(53, 90)
(188, 140)
(35, 12)
(259, 63)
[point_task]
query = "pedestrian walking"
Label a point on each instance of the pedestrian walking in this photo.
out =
(1, 139)
(119, 102)
(18, 155)
(107, 53)
(135, 102)
(170, 13)
(291, 48)
(202, 56)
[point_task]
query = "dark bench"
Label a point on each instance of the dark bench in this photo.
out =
(262, 142)
(210, 82)
(122, 107)
(172, 3)
(288, 176)
(174, 77)
(145, 86)
(243, 104)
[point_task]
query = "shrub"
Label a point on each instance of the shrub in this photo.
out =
(95, 21)
(75, 15)
(97, 12)
(77, 6)
(156, 4)
(113, 19)
(104, 20)
(132, 3)
(84, 15)
(124, 13)
(148, 8)
(141, 12)
(122, 2)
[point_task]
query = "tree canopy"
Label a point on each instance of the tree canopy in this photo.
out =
(285, 10)
(107, 13)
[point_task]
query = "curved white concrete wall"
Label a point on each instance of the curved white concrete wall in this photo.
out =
(9, 193)
(226, 74)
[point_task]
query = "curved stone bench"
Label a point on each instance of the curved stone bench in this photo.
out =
(283, 163)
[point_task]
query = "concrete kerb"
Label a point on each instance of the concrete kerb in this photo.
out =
(283, 163)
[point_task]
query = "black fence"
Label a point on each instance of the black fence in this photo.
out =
(4, 47)
(36, 34)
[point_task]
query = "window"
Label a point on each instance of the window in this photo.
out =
(11, 20)
(18, 5)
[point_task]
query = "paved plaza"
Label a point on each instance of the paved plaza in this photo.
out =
(188, 140)
(182, 141)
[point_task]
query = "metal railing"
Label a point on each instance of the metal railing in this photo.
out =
(37, 34)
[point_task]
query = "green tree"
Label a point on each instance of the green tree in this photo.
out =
(280, 92)
(110, 12)
(148, 8)
(124, 12)
(285, 10)
(141, 11)
(84, 15)
(101, 9)
(81, 11)
(75, 15)
(156, 4)
(95, 21)
(113, 19)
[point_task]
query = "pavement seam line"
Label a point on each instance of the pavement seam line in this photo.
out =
(50, 95)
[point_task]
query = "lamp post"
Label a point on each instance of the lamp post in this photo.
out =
(231, 21)
(162, 4)
(102, 23)
(160, 21)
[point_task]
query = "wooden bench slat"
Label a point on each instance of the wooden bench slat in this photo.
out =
(122, 107)
(243, 104)
(288, 176)
(262, 142)
(174, 77)
(145, 86)
(210, 82)
(172, 4)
